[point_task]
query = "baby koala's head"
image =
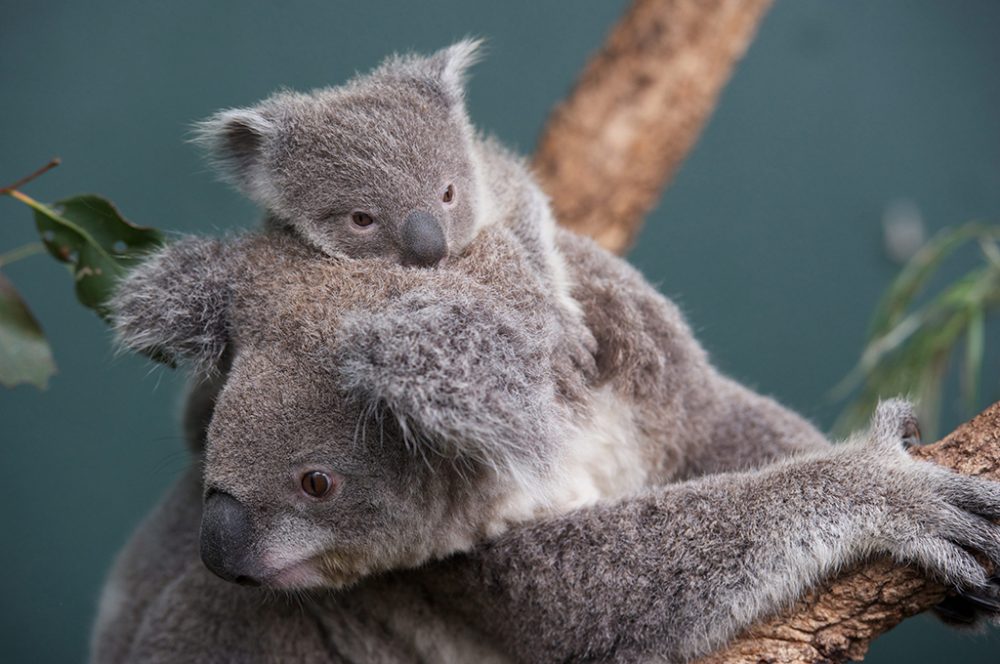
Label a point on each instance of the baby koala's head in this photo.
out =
(381, 166)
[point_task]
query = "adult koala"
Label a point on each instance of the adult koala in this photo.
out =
(408, 450)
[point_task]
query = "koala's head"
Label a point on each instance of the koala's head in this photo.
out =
(381, 166)
(371, 416)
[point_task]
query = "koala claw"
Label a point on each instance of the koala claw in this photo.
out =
(583, 358)
(988, 600)
(579, 347)
(955, 523)
(973, 607)
(911, 434)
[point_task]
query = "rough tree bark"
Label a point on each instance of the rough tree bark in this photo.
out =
(604, 157)
(637, 109)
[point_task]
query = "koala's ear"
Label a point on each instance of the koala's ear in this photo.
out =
(445, 71)
(455, 62)
(173, 305)
(236, 141)
(458, 374)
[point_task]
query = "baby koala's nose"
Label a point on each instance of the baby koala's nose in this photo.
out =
(423, 240)
(227, 540)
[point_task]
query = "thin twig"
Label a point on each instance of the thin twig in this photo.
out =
(55, 161)
(21, 252)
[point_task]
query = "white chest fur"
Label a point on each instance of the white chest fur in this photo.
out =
(601, 460)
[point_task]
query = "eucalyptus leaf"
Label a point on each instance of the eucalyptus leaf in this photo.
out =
(917, 272)
(911, 343)
(89, 234)
(25, 356)
(972, 366)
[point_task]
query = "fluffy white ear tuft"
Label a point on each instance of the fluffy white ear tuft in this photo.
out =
(236, 141)
(454, 63)
(446, 70)
(173, 306)
(460, 375)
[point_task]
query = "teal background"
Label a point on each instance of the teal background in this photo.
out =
(769, 237)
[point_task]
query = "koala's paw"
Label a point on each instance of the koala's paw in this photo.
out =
(930, 516)
(972, 608)
(940, 532)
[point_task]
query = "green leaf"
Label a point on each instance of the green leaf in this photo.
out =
(972, 366)
(919, 270)
(99, 244)
(910, 344)
(25, 356)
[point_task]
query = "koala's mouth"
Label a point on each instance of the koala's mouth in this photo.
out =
(322, 570)
(298, 576)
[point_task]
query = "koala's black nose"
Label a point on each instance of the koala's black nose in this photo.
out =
(423, 240)
(227, 539)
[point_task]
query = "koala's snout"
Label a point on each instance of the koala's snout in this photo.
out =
(227, 540)
(423, 240)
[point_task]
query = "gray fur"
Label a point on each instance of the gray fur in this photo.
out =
(681, 569)
(742, 507)
(180, 313)
(493, 406)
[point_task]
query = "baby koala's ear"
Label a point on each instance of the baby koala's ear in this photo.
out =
(236, 141)
(449, 67)
(173, 305)
(460, 375)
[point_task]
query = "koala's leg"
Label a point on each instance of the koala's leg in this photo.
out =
(679, 571)
(742, 430)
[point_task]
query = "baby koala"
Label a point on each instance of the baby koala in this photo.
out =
(387, 165)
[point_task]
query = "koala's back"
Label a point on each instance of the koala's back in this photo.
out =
(689, 418)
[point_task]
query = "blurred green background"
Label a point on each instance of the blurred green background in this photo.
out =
(770, 237)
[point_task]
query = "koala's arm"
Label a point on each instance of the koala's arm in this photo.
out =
(682, 569)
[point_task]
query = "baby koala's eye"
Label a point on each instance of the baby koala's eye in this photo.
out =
(449, 194)
(362, 219)
(316, 483)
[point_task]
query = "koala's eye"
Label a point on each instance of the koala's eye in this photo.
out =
(449, 194)
(316, 483)
(362, 219)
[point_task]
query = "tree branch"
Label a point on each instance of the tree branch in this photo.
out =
(610, 148)
(838, 621)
